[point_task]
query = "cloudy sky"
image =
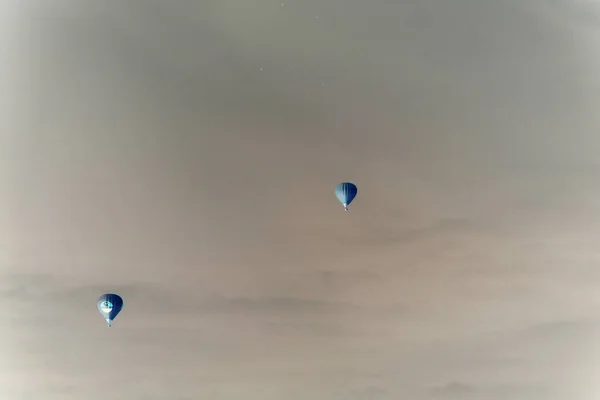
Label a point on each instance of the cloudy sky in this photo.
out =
(184, 155)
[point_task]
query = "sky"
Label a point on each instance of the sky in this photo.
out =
(184, 154)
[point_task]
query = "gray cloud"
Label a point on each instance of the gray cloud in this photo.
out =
(146, 299)
(460, 391)
(454, 390)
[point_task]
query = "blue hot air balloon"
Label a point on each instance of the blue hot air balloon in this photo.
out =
(346, 192)
(110, 306)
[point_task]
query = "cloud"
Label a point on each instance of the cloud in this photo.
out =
(369, 393)
(148, 299)
(578, 14)
(454, 390)
(277, 304)
(461, 391)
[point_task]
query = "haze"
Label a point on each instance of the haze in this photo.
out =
(184, 154)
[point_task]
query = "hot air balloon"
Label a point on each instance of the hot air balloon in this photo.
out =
(346, 192)
(110, 306)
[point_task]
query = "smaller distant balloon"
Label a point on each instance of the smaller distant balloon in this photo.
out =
(345, 193)
(110, 306)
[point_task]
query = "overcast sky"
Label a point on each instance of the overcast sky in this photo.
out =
(184, 154)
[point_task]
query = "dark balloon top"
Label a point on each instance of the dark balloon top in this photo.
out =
(110, 305)
(346, 192)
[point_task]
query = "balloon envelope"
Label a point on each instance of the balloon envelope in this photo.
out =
(345, 193)
(110, 306)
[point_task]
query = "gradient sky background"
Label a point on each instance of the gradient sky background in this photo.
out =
(184, 154)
